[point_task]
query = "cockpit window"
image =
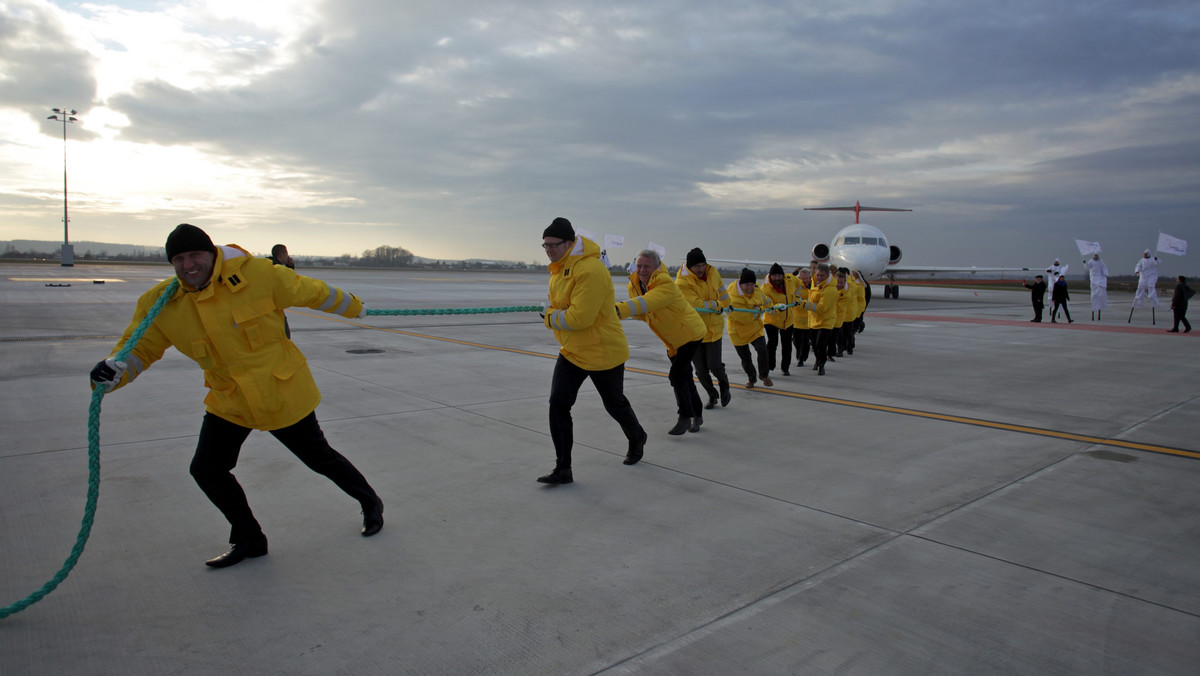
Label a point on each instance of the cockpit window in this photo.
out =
(852, 240)
(870, 240)
(882, 243)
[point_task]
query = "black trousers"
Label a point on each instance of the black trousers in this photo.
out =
(803, 341)
(760, 348)
(707, 360)
(217, 454)
(687, 398)
(848, 336)
(1054, 311)
(1038, 306)
(1181, 316)
(564, 389)
(822, 339)
(837, 341)
(773, 335)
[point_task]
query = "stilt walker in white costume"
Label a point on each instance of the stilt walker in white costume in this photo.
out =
(1098, 272)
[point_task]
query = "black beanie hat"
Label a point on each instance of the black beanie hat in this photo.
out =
(695, 257)
(747, 277)
(560, 228)
(776, 269)
(186, 237)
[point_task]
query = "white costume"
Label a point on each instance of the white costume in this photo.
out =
(1054, 272)
(1098, 272)
(1147, 272)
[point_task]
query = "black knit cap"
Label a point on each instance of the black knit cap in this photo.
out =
(776, 269)
(187, 237)
(695, 257)
(560, 228)
(747, 277)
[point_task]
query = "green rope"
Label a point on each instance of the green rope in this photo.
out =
(89, 512)
(459, 311)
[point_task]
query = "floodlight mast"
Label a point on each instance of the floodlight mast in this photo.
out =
(65, 115)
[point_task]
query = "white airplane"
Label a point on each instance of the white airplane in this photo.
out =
(864, 248)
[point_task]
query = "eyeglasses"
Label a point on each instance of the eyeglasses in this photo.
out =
(556, 244)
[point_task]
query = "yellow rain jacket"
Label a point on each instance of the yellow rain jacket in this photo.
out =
(745, 327)
(799, 314)
(860, 298)
(663, 307)
(707, 294)
(781, 318)
(845, 305)
(233, 328)
(582, 309)
(824, 297)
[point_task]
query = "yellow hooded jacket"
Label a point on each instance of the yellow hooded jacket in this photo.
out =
(799, 314)
(860, 298)
(781, 318)
(705, 294)
(824, 297)
(233, 328)
(582, 309)
(845, 305)
(745, 327)
(664, 308)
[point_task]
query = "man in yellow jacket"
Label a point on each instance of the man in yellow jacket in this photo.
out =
(801, 335)
(227, 315)
(582, 313)
(704, 290)
(780, 290)
(746, 305)
(656, 300)
(822, 313)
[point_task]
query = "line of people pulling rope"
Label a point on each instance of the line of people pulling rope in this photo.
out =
(226, 314)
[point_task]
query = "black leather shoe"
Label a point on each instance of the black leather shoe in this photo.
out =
(1172, 330)
(821, 370)
(726, 397)
(696, 423)
(712, 402)
(558, 476)
(239, 552)
(636, 448)
(372, 518)
(681, 426)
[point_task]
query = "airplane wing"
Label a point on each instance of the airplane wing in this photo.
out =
(745, 262)
(934, 270)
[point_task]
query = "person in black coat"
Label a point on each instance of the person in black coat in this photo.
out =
(1038, 296)
(1060, 297)
(1179, 303)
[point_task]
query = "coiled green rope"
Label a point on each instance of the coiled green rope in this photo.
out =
(89, 511)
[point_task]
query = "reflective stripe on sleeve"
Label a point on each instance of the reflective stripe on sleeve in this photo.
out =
(331, 300)
(641, 309)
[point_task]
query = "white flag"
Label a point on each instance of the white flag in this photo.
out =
(662, 251)
(1171, 245)
(614, 241)
(580, 232)
(1087, 248)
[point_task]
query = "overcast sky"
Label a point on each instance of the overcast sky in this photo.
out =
(461, 128)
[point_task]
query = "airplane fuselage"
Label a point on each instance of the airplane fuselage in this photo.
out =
(860, 247)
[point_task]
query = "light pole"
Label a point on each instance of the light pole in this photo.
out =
(68, 252)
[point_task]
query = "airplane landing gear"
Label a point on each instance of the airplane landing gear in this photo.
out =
(891, 290)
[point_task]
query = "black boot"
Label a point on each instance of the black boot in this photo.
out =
(696, 423)
(637, 447)
(712, 401)
(726, 396)
(681, 426)
(560, 475)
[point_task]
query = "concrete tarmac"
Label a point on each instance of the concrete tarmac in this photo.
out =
(969, 493)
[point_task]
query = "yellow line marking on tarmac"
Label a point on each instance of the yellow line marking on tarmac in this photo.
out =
(977, 422)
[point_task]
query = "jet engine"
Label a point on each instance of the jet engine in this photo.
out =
(820, 253)
(895, 255)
